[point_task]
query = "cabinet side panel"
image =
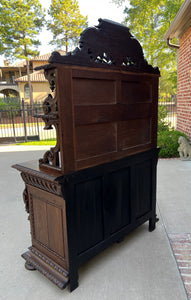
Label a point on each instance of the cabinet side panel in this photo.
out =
(48, 224)
(66, 119)
(55, 229)
(40, 220)
(143, 188)
(155, 112)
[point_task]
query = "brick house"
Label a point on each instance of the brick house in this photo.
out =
(181, 29)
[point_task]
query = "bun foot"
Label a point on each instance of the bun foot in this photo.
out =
(29, 267)
(120, 240)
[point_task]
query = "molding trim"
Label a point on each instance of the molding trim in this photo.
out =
(44, 184)
(47, 267)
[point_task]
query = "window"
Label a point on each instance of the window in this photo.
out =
(26, 90)
(12, 77)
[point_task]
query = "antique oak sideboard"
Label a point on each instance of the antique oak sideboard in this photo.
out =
(99, 182)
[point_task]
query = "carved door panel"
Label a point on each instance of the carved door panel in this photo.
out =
(48, 224)
(89, 216)
(117, 200)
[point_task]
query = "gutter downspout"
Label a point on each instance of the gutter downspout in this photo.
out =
(171, 45)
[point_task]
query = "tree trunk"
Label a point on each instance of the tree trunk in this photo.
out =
(66, 40)
(29, 83)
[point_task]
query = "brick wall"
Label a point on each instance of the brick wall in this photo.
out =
(184, 84)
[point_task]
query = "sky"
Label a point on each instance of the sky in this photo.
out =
(96, 9)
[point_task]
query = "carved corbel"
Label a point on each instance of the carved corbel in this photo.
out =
(50, 117)
(51, 77)
(26, 201)
(51, 157)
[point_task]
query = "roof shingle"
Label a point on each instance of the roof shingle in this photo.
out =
(45, 57)
(37, 76)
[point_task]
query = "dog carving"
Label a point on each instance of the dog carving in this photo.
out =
(184, 148)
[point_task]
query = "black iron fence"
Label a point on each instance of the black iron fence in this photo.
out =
(23, 124)
(170, 106)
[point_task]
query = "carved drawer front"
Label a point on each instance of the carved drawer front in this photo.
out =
(48, 224)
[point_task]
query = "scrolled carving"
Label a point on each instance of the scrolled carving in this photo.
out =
(114, 44)
(51, 77)
(51, 157)
(109, 44)
(26, 200)
(50, 117)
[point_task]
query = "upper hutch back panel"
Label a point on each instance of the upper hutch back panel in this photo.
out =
(104, 105)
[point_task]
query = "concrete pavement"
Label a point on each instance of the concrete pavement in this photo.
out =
(142, 267)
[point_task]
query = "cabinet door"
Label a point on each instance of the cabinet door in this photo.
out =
(117, 204)
(48, 223)
(89, 215)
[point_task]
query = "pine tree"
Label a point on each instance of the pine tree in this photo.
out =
(20, 21)
(66, 23)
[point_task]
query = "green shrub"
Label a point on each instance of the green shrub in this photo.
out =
(167, 138)
(168, 143)
(163, 124)
(8, 102)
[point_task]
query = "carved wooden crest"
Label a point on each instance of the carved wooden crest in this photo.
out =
(109, 44)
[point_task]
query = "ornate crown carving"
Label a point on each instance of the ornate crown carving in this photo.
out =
(109, 44)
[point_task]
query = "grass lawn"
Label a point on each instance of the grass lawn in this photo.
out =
(39, 143)
(21, 125)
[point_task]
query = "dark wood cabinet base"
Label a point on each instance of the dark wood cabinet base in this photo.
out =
(75, 216)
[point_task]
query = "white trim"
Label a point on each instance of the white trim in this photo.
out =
(181, 22)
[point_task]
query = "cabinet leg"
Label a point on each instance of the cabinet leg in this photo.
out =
(73, 281)
(29, 267)
(152, 223)
(73, 286)
(120, 240)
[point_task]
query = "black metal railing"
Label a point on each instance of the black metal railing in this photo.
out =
(23, 124)
(170, 106)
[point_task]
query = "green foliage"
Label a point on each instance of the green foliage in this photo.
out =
(168, 143)
(163, 124)
(168, 80)
(148, 22)
(9, 102)
(20, 22)
(66, 23)
(167, 138)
